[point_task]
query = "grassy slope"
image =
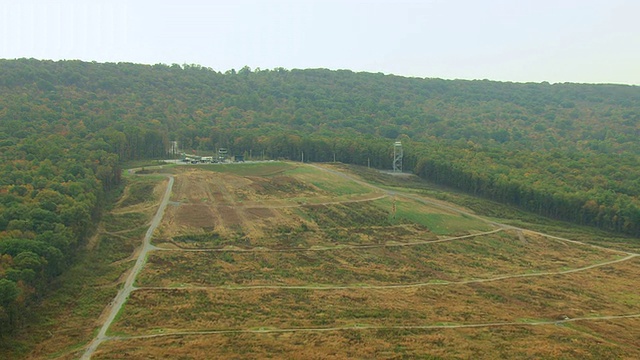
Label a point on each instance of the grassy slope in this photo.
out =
(95, 277)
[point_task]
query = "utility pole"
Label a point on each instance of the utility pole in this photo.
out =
(302, 156)
(393, 207)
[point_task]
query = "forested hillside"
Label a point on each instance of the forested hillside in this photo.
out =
(567, 151)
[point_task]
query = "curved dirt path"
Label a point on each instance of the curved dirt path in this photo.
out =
(123, 294)
(379, 327)
(463, 212)
(561, 239)
(391, 286)
(330, 248)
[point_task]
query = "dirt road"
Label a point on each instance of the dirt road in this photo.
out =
(123, 294)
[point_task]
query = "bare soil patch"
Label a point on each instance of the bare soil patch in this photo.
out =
(281, 186)
(259, 213)
(196, 216)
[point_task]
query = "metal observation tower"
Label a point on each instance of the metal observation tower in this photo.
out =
(397, 156)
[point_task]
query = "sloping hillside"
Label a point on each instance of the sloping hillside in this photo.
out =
(567, 151)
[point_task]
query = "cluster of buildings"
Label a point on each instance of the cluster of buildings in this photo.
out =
(223, 157)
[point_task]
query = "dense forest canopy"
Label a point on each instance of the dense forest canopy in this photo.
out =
(567, 151)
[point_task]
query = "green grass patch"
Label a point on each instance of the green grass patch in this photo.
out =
(499, 212)
(438, 223)
(139, 192)
(141, 163)
(124, 221)
(330, 182)
(114, 248)
(264, 169)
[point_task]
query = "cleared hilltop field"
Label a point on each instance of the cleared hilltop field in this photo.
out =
(300, 261)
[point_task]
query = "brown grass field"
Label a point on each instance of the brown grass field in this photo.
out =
(595, 292)
(283, 260)
(480, 257)
(578, 340)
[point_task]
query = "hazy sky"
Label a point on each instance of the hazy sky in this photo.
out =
(591, 41)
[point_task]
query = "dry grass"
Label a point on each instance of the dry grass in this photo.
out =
(521, 342)
(481, 257)
(582, 294)
(300, 227)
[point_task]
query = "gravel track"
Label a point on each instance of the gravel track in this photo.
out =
(123, 294)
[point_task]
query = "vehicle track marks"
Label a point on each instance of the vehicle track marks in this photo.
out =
(375, 327)
(123, 294)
